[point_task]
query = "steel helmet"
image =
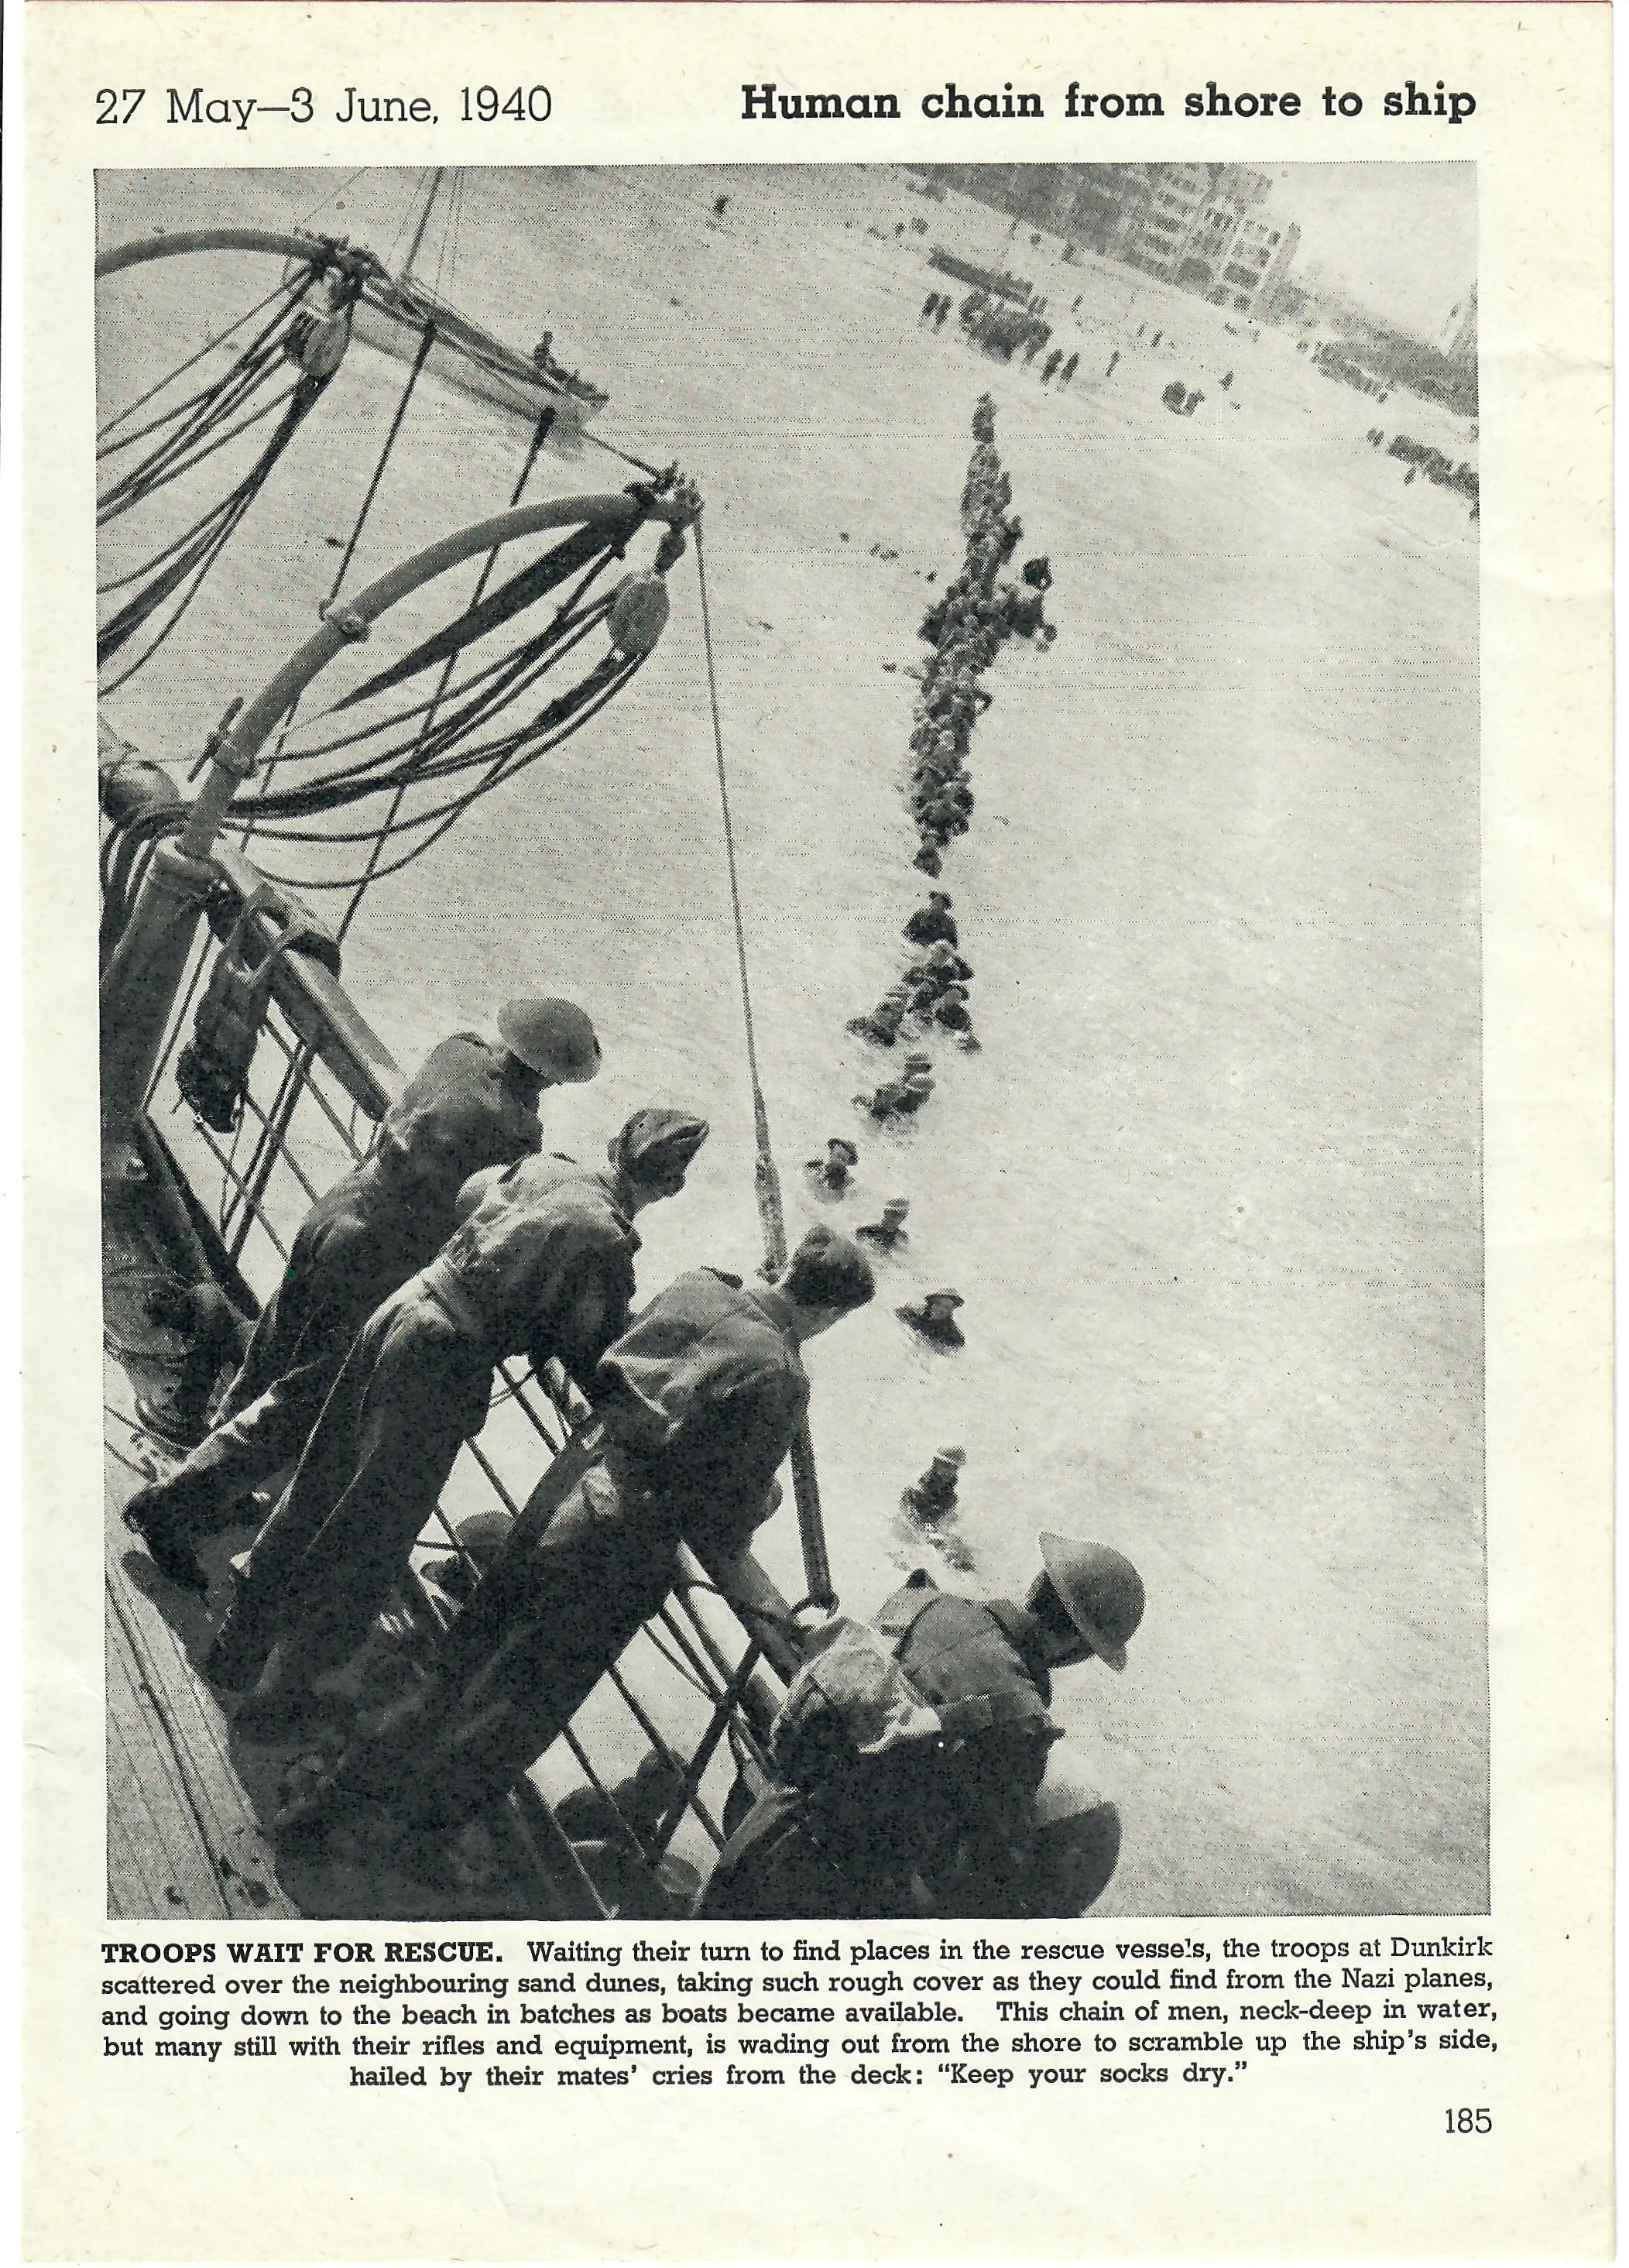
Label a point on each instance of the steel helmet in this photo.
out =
(1100, 1590)
(552, 1037)
(484, 1533)
(1075, 1842)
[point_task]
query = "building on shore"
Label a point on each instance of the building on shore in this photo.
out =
(1207, 229)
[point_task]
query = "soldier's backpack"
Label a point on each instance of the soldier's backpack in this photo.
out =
(852, 1702)
(849, 1699)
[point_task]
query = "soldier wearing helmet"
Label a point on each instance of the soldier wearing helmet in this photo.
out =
(699, 1400)
(933, 923)
(834, 1173)
(941, 966)
(935, 1320)
(931, 1499)
(540, 1265)
(888, 1235)
(903, 1097)
(470, 1105)
(971, 1818)
(951, 1010)
(881, 1026)
(474, 1105)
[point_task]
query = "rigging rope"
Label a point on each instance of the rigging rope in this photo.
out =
(204, 543)
(182, 369)
(442, 750)
(516, 674)
(538, 438)
(766, 1177)
(262, 357)
(177, 572)
(498, 774)
(426, 342)
(765, 1174)
(611, 450)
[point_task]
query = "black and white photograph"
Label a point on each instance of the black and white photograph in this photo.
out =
(791, 1077)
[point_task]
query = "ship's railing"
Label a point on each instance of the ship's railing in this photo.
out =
(697, 1689)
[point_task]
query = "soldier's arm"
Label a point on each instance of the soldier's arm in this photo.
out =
(734, 1485)
(738, 1575)
(593, 1315)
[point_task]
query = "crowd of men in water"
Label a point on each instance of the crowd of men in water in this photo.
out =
(1002, 329)
(966, 628)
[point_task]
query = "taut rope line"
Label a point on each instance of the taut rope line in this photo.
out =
(767, 1177)
(804, 1481)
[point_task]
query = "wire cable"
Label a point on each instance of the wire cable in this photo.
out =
(768, 1179)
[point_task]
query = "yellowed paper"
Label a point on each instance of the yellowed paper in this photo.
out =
(1265, 1144)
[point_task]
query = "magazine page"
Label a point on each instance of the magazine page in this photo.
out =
(822, 1072)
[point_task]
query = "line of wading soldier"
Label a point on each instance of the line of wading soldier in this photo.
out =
(966, 628)
(458, 1243)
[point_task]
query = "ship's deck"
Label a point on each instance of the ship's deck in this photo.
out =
(184, 1795)
(182, 1837)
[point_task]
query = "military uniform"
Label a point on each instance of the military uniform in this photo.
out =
(360, 1243)
(940, 1327)
(544, 1267)
(935, 974)
(459, 1114)
(701, 1398)
(841, 1836)
(929, 924)
(933, 1497)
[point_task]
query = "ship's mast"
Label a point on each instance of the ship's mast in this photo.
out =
(436, 180)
